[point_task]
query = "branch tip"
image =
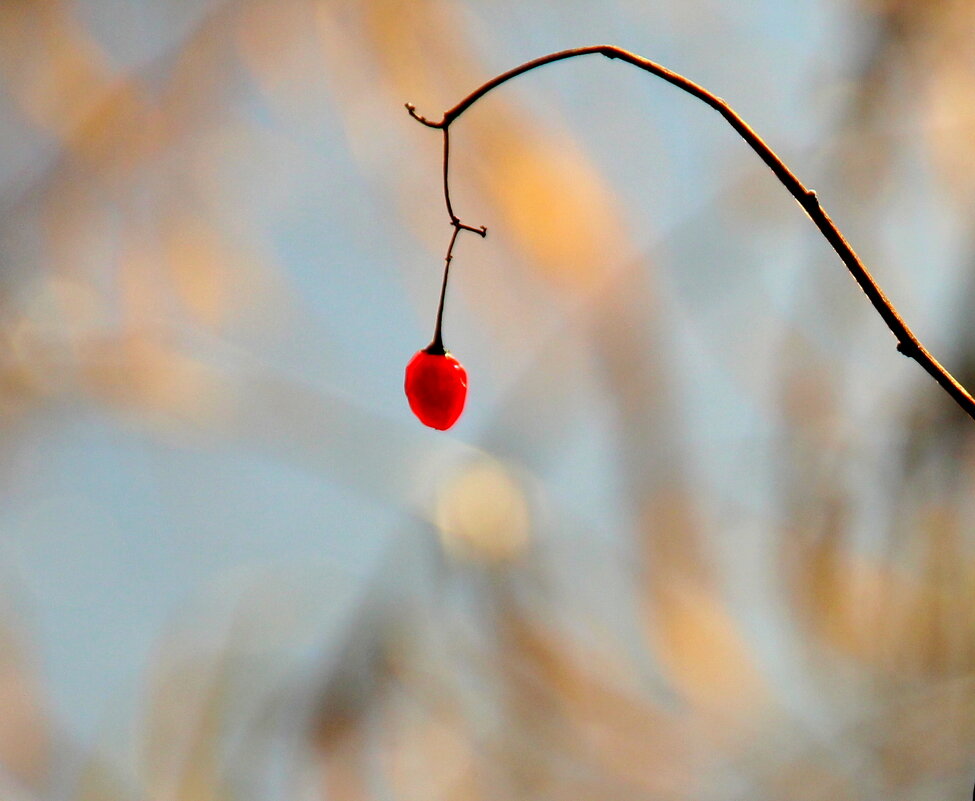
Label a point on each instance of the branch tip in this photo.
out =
(420, 118)
(481, 232)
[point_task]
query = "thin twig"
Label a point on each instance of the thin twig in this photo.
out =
(907, 343)
(436, 344)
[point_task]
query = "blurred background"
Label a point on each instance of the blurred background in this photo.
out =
(701, 534)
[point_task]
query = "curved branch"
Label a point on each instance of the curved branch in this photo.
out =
(907, 343)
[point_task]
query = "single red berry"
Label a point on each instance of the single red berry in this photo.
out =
(436, 387)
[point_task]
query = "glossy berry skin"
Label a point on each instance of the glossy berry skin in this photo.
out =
(436, 387)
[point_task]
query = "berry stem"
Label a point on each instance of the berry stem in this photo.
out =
(907, 343)
(436, 345)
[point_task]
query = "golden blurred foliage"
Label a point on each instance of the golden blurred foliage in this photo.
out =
(552, 206)
(483, 515)
(24, 736)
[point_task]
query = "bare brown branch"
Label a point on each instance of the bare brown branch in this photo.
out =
(907, 343)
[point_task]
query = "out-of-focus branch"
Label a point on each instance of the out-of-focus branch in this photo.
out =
(907, 343)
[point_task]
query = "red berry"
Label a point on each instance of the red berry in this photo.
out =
(436, 387)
